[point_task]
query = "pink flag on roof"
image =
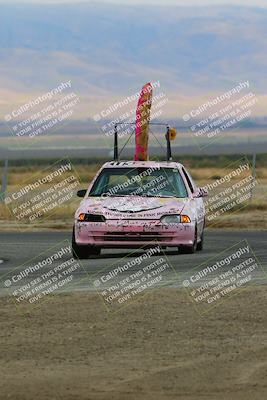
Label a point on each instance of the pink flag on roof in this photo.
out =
(142, 123)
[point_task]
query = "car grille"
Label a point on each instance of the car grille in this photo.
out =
(134, 237)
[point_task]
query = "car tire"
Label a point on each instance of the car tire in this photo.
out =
(83, 252)
(189, 249)
(200, 244)
(94, 251)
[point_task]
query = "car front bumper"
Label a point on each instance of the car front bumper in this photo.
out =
(137, 233)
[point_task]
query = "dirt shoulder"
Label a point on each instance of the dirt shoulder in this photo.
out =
(156, 348)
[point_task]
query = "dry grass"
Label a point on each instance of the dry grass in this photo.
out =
(209, 174)
(19, 175)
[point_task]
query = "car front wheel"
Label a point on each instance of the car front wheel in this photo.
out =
(83, 252)
(200, 244)
(189, 249)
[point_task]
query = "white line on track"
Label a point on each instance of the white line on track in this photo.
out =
(23, 244)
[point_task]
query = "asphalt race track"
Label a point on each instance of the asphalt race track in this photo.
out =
(20, 249)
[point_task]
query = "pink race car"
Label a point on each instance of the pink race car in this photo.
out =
(134, 204)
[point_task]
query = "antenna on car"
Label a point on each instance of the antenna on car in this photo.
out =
(170, 135)
(169, 149)
(116, 150)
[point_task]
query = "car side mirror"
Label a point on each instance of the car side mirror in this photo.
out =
(200, 192)
(81, 193)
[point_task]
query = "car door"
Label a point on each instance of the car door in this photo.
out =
(198, 202)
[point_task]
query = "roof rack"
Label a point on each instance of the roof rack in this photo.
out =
(167, 136)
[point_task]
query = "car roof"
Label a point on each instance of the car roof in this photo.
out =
(146, 164)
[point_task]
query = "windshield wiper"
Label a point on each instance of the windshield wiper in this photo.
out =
(166, 197)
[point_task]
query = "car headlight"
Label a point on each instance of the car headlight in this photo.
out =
(84, 217)
(175, 219)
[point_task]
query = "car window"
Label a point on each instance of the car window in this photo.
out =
(157, 182)
(189, 180)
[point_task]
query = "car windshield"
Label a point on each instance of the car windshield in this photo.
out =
(148, 182)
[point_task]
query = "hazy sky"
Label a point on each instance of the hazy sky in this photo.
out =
(262, 3)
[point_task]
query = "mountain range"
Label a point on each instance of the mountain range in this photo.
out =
(110, 51)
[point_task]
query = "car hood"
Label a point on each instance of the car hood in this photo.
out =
(132, 206)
